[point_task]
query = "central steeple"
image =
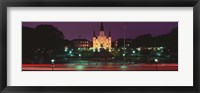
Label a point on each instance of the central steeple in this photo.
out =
(101, 27)
(101, 41)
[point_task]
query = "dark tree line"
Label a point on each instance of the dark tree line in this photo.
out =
(43, 40)
(169, 41)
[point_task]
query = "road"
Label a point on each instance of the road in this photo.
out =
(100, 67)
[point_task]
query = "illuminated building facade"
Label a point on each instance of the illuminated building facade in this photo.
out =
(102, 41)
(81, 43)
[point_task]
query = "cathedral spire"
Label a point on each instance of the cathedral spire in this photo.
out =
(101, 28)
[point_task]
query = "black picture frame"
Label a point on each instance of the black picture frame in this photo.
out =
(100, 3)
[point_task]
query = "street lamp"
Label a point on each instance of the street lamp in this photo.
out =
(124, 57)
(138, 49)
(156, 61)
(52, 63)
(66, 48)
(79, 56)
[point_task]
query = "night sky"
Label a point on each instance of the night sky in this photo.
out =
(72, 30)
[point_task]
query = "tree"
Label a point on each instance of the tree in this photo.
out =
(49, 37)
(42, 41)
(28, 41)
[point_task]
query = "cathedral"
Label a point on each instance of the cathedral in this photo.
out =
(101, 41)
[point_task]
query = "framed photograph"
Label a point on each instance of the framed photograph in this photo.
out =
(100, 46)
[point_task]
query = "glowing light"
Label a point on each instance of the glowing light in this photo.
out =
(80, 67)
(124, 67)
(133, 51)
(52, 60)
(79, 55)
(158, 48)
(156, 60)
(138, 49)
(109, 50)
(70, 52)
(66, 48)
(158, 54)
(98, 50)
(123, 54)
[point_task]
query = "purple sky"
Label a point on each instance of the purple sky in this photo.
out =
(73, 30)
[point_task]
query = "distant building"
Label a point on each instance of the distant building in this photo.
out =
(101, 41)
(81, 43)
